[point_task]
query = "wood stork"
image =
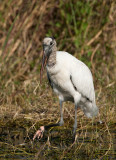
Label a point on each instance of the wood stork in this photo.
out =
(70, 79)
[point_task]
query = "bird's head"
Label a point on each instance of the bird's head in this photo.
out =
(48, 45)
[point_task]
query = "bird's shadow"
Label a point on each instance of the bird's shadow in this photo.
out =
(58, 138)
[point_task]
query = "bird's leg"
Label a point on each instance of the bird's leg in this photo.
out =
(61, 114)
(75, 123)
(77, 98)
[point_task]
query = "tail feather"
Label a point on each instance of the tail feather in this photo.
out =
(90, 109)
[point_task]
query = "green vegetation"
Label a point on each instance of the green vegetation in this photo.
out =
(84, 28)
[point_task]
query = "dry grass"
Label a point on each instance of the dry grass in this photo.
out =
(25, 104)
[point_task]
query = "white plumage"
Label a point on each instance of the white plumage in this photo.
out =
(70, 79)
(69, 72)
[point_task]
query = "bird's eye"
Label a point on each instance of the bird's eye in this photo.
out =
(51, 43)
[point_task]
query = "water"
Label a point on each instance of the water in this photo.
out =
(16, 143)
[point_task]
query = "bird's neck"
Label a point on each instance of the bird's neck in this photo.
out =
(52, 58)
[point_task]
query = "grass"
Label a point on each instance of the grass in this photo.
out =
(85, 29)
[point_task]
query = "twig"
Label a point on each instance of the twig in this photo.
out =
(94, 38)
(38, 153)
(96, 48)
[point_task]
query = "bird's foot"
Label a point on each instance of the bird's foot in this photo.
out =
(100, 122)
(61, 123)
(39, 133)
(74, 135)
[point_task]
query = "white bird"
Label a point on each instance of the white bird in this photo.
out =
(70, 79)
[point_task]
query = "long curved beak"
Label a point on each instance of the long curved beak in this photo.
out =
(44, 61)
(45, 57)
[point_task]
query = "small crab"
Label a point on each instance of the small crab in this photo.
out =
(39, 133)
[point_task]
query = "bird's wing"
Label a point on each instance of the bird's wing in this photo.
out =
(51, 84)
(85, 87)
(80, 75)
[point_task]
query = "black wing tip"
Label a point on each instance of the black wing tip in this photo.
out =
(73, 83)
